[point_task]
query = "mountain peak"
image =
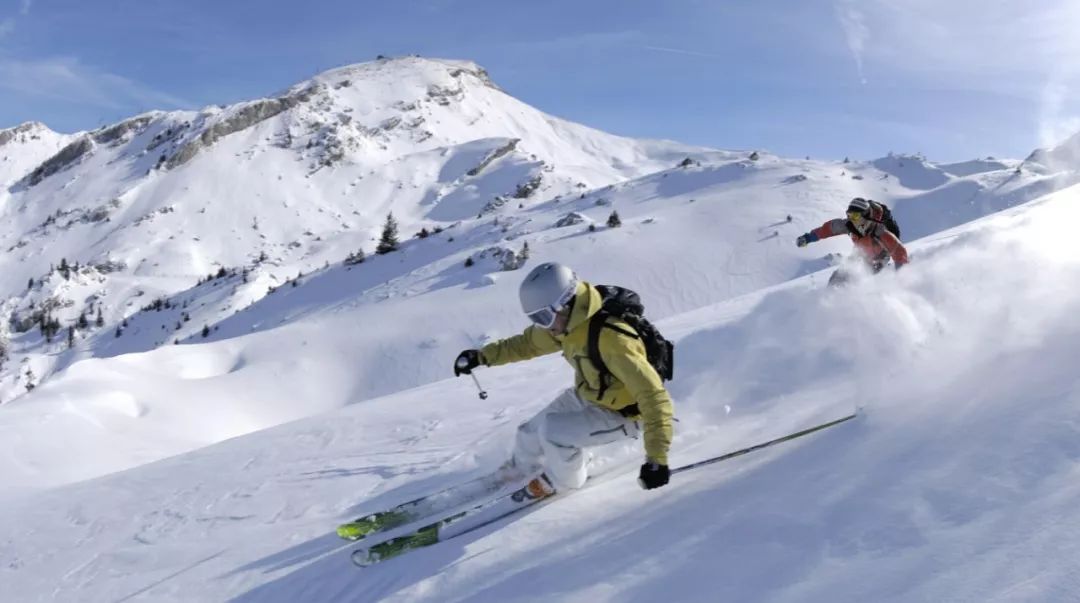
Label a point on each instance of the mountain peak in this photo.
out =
(30, 130)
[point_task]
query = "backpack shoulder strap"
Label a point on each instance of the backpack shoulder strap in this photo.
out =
(596, 323)
(593, 347)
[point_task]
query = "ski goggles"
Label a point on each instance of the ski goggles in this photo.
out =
(545, 317)
(855, 217)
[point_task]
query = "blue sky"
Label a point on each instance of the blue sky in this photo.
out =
(833, 78)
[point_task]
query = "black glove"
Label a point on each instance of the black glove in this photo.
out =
(466, 362)
(653, 475)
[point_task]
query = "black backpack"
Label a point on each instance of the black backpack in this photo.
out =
(626, 305)
(887, 218)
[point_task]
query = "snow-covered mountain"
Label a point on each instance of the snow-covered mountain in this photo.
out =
(225, 231)
(147, 208)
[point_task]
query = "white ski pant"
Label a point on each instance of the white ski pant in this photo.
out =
(554, 439)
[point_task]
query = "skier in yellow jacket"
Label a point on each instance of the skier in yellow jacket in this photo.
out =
(593, 412)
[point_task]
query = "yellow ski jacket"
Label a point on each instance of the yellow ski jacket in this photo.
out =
(634, 379)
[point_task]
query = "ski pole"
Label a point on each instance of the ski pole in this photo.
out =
(464, 365)
(790, 436)
(483, 394)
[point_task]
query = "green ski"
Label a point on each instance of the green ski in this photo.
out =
(426, 506)
(462, 522)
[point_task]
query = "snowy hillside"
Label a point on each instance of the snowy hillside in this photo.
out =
(239, 382)
(955, 484)
(258, 273)
(147, 208)
(116, 236)
(23, 148)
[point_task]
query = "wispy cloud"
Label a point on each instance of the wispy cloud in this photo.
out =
(68, 79)
(693, 53)
(1025, 50)
(25, 8)
(855, 32)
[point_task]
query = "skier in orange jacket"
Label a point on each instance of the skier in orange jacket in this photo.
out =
(868, 225)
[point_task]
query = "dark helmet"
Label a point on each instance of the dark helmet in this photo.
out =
(858, 214)
(859, 205)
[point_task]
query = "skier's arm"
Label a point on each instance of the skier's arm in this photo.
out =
(895, 248)
(535, 341)
(831, 228)
(826, 230)
(627, 362)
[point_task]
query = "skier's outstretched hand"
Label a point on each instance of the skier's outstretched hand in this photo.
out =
(466, 362)
(653, 475)
(805, 239)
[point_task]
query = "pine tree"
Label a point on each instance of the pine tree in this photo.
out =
(30, 284)
(524, 253)
(389, 240)
(71, 337)
(469, 262)
(100, 320)
(119, 332)
(613, 220)
(205, 331)
(355, 258)
(83, 323)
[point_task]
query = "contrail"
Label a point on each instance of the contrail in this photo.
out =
(855, 30)
(692, 53)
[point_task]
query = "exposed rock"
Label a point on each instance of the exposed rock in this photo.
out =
(390, 124)
(22, 131)
(170, 134)
(442, 95)
(241, 119)
(525, 190)
(110, 265)
(100, 213)
(795, 178)
(67, 156)
(570, 219)
(494, 204)
(504, 258)
(118, 131)
(476, 71)
(499, 152)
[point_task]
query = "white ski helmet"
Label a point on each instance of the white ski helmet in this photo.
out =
(545, 291)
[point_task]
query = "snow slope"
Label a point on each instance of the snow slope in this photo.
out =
(276, 192)
(958, 483)
(691, 236)
(154, 462)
